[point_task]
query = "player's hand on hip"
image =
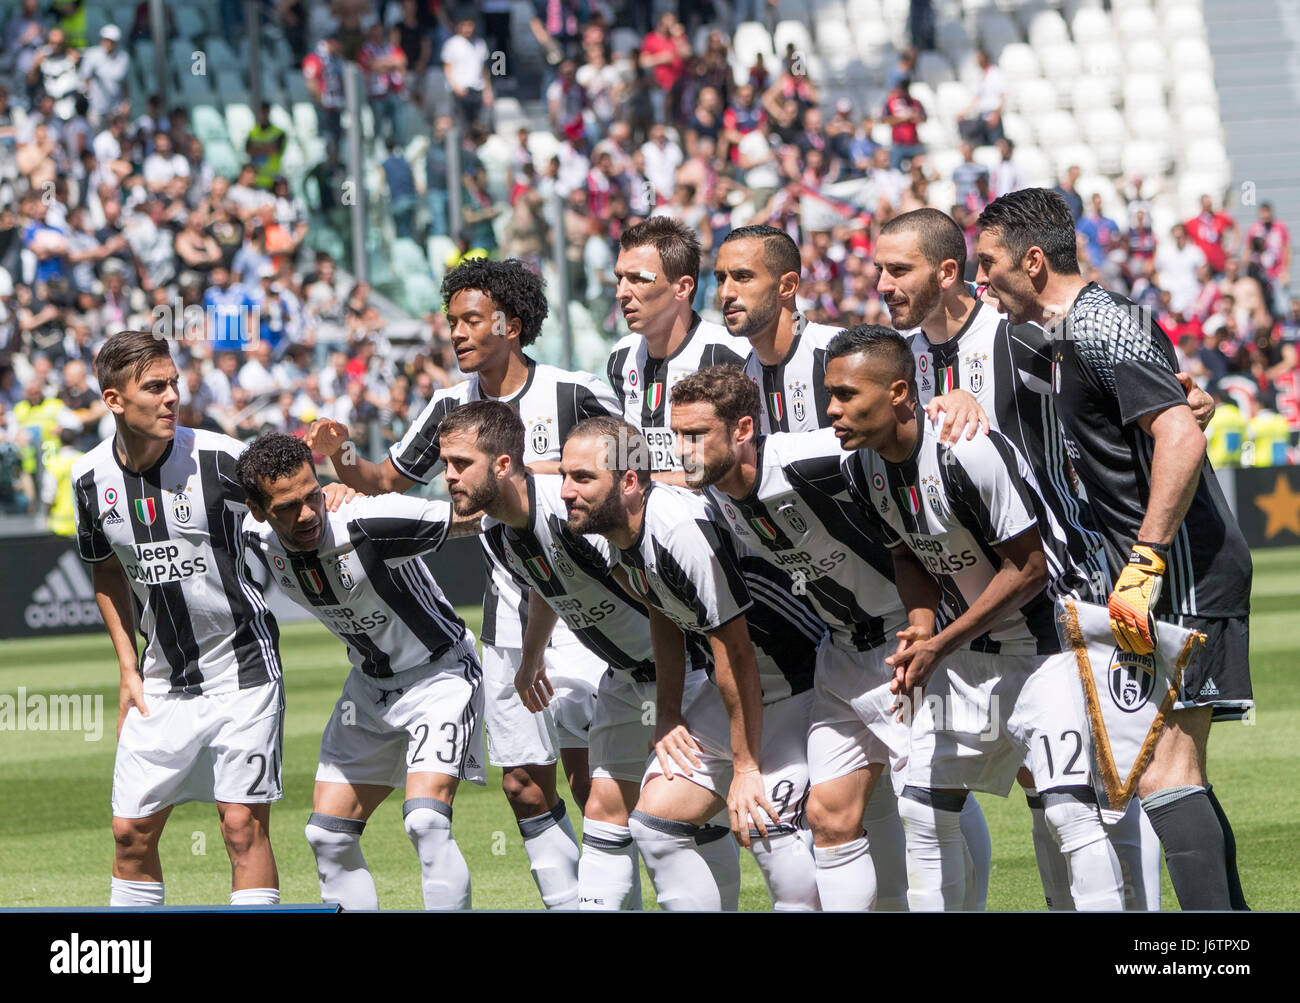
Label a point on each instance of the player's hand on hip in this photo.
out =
(534, 689)
(962, 413)
(1136, 593)
(336, 495)
(130, 694)
(673, 745)
(326, 436)
(1201, 403)
(747, 803)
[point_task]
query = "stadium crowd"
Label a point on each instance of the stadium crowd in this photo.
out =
(111, 222)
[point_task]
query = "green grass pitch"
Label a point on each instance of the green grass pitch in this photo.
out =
(56, 849)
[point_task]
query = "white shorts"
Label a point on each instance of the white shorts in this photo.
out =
(223, 747)
(852, 726)
(622, 728)
(982, 716)
(516, 736)
(425, 720)
(782, 755)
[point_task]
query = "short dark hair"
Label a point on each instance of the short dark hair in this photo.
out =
(1034, 217)
(677, 244)
(270, 457)
(497, 428)
(126, 355)
(780, 252)
(888, 350)
(940, 237)
(731, 392)
(628, 447)
(515, 288)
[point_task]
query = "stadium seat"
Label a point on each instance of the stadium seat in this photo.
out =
(408, 259)
(239, 122)
(934, 69)
(1183, 21)
(1191, 186)
(1032, 97)
(1019, 62)
(1191, 53)
(1016, 128)
(1034, 166)
(223, 159)
(791, 33)
(1145, 158)
(1146, 55)
(872, 38)
(943, 162)
(952, 97)
(1195, 87)
(751, 38)
(1045, 28)
(988, 156)
(208, 124)
(1091, 25)
(1143, 90)
(996, 31)
(1101, 60)
(1208, 155)
(1105, 131)
(188, 21)
(1068, 155)
(1150, 122)
(1061, 61)
(834, 37)
(1199, 120)
(1133, 21)
(1092, 89)
(1055, 128)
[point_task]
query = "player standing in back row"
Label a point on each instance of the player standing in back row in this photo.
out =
(495, 310)
(657, 272)
(1139, 452)
(158, 513)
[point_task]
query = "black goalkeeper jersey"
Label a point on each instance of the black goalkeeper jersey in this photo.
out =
(1112, 364)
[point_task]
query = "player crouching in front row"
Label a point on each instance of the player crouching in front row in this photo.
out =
(411, 709)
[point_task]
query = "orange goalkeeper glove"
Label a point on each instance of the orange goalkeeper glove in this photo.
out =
(1135, 596)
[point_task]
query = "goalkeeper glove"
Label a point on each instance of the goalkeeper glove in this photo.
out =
(1135, 596)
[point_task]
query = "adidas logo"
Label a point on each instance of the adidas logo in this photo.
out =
(66, 599)
(472, 763)
(1209, 689)
(112, 519)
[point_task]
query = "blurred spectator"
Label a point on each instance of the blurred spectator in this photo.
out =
(1067, 190)
(664, 53)
(105, 72)
(399, 182)
(384, 64)
(1212, 232)
(1272, 252)
(1177, 263)
(903, 113)
(323, 71)
(1098, 230)
(464, 61)
(981, 122)
(265, 147)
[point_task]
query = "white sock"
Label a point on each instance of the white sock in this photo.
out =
(1126, 836)
(135, 893)
(552, 850)
(1053, 870)
(1096, 882)
(255, 896)
(443, 872)
(846, 876)
(608, 876)
(975, 831)
(788, 869)
(694, 868)
(344, 877)
(888, 850)
(938, 863)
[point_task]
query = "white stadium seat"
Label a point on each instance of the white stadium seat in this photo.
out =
(1135, 21)
(1019, 62)
(1078, 155)
(1150, 122)
(1142, 89)
(750, 38)
(1145, 158)
(1209, 155)
(1055, 128)
(1045, 28)
(1195, 87)
(1016, 128)
(1183, 21)
(1034, 165)
(1032, 97)
(1146, 55)
(791, 33)
(951, 99)
(988, 156)
(1091, 25)
(1197, 120)
(1190, 53)
(1061, 61)
(1101, 60)
(1091, 90)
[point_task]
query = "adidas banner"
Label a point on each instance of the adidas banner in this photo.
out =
(1128, 697)
(53, 592)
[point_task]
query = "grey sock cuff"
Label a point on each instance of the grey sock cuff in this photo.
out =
(938, 800)
(600, 843)
(1168, 796)
(668, 826)
(538, 824)
(1079, 794)
(433, 804)
(332, 823)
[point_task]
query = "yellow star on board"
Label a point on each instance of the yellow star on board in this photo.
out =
(1282, 508)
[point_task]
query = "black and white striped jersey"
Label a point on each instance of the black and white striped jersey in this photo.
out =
(550, 403)
(643, 385)
(799, 517)
(175, 529)
(688, 567)
(1113, 366)
(951, 507)
(794, 390)
(1008, 369)
(572, 573)
(365, 580)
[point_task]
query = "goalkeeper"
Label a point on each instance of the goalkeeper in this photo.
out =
(1172, 543)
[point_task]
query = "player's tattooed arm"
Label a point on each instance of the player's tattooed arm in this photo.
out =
(1022, 575)
(113, 597)
(736, 673)
(534, 689)
(673, 744)
(330, 438)
(962, 413)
